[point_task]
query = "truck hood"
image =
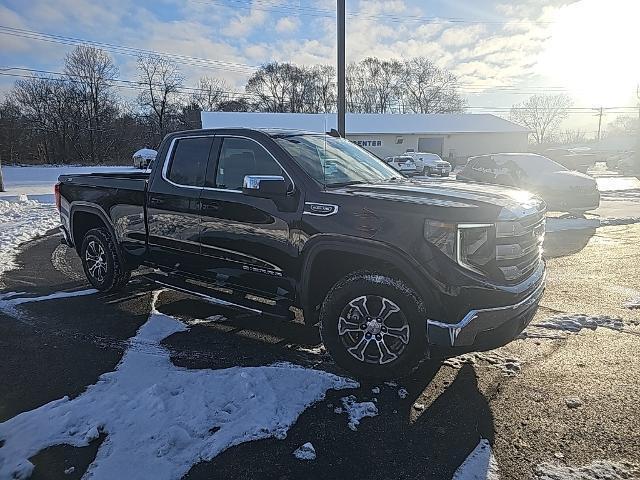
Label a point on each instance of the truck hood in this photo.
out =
(452, 194)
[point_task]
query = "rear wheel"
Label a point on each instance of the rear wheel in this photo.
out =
(373, 325)
(101, 262)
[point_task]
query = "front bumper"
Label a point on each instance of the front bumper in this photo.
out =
(486, 328)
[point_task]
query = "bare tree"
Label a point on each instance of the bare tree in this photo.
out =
(417, 86)
(162, 82)
(239, 104)
(430, 89)
(624, 125)
(542, 114)
(91, 71)
(50, 106)
(374, 85)
(278, 87)
(210, 93)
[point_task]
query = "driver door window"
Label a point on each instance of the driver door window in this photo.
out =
(240, 157)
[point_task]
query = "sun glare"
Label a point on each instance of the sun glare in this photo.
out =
(593, 51)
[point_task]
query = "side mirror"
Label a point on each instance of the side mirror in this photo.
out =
(265, 186)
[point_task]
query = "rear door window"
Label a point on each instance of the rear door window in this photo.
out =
(189, 161)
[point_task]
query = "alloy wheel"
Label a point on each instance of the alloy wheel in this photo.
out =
(96, 261)
(373, 329)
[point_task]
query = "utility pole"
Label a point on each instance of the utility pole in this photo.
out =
(599, 123)
(1, 181)
(341, 69)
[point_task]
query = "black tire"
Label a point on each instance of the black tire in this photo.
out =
(339, 317)
(101, 262)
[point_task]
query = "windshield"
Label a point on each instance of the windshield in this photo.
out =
(335, 161)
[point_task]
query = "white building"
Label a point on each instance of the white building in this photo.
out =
(452, 136)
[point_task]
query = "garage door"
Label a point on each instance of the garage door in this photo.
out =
(431, 145)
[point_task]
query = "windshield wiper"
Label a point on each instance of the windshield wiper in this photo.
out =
(344, 184)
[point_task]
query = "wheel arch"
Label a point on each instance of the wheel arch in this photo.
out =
(85, 216)
(328, 258)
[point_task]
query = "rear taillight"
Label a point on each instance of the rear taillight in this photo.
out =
(56, 192)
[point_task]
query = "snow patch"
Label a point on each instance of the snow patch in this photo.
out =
(574, 323)
(479, 465)
(402, 393)
(9, 300)
(554, 225)
(20, 222)
(509, 366)
(358, 410)
(598, 470)
(206, 321)
(633, 303)
(305, 452)
(160, 419)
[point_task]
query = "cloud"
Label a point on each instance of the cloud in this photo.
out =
(287, 25)
(243, 25)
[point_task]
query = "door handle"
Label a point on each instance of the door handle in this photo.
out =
(155, 201)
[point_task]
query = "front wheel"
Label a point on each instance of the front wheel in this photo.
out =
(373, 325)
(101, 263)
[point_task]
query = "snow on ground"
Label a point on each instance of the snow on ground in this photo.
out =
(479, 465)
(10, 300)
(633, 303)
(598, 470)
(357, 410)
(305, 452)
(508, 365)
(554, 225)
(21, 221)
(38, 181)
(574, 323)
(160, 419)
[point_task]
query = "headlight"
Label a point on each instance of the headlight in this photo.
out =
(471, 245)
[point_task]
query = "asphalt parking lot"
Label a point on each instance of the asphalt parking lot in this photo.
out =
(555, 397)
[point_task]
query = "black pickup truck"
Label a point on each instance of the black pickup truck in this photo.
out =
(393, 269)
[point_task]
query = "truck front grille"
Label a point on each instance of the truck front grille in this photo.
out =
(519, 245)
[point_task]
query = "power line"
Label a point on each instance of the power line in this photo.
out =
(136, 85)
(317, 12)
(127, 50)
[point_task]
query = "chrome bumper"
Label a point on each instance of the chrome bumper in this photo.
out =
(464, 333)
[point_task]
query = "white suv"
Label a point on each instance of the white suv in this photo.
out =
(430, 163)
(403, 163)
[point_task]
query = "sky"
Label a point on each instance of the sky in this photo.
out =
(502, 51)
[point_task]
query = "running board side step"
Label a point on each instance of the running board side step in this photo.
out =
(221, 298)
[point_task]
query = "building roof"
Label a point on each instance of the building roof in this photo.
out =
(357, 123)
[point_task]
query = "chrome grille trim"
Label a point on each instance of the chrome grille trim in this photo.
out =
(519, 245)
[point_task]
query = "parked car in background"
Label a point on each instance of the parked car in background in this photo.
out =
(620, 161)
(430, 163)
(629, 165)
(563, 190)
(143, 158)
(574, 159)
(403, 163)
